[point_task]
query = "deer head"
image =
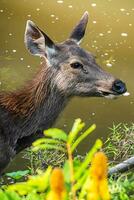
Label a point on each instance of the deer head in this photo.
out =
(75, 71)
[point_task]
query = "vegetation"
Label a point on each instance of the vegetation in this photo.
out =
(73, 178)
(120, 144)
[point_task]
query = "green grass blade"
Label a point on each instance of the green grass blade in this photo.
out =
(81, 181)
(88, 158)
(83, 136)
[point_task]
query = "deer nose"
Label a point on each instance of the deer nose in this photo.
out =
(119, 87)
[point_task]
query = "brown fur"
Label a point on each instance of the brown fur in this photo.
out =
(23, 102)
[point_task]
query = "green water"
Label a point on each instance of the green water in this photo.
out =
(110, 36)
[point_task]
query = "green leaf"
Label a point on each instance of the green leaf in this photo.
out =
(46, 141)
(83, 136)
(13, 195)
(33, 196)
(48, 147)
(77, 127)
(66, 171)
(88, 158)
(3, 196)
(56, 134)
(81, 181)
(18, 174)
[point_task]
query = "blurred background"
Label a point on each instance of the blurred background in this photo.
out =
(109, 35)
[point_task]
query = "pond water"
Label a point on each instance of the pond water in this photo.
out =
(109, 35)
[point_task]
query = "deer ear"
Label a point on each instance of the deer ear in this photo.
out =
(36, 41)
(79, 30)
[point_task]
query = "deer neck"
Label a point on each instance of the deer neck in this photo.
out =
(39, 102)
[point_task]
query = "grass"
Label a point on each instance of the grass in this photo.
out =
(118, 147)
(120, 144)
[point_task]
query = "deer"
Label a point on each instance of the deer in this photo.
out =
(67, 70)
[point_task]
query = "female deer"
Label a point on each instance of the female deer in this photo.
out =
(67, 71)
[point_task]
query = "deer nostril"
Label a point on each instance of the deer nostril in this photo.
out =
(119, 87)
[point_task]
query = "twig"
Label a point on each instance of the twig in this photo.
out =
(122, 167)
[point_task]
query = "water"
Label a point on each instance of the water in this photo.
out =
(109, 36)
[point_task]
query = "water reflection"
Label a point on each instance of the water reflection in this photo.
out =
(109, 36)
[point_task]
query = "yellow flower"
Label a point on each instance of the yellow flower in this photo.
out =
(98, 184)
(57, 191)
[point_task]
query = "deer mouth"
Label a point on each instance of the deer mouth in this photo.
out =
(118, 88)
(108, 94)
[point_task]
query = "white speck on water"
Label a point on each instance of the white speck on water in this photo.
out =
(117, 20)
(38, 9)
(14, 50)
(130, 24)
(101, 34)
(21, 59)
(1, 11)
(122, 9)
(109, 65)
(6, 51)
(94, 22)
(57, 18)
(95, 41)
(133, 9)
(127, 13)
(70, 6)
(28, 66)
(53, 22)
(108, 32)
(93, 4)
(106, 54)
(0, 83)
(10, 34)
(59, 1)
(126, 94)
(124, 34)
(93, 113)
(29, 15)
(52, 15)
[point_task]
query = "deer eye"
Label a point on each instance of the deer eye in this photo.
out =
(76, 65)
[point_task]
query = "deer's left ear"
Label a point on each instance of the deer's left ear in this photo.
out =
(79, 30)
(37, 42)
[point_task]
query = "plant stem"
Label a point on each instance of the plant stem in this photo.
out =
(70, 158)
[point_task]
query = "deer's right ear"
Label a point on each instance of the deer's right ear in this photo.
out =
(36, 41)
